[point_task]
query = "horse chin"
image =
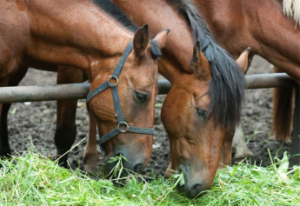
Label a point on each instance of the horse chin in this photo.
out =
(194, 188)
(195, 183)
(130, 163)
(128, 168)
(195, 192)
(191, 188)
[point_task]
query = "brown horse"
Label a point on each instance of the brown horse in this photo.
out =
(96, 38)
(204, 102)
(205, 99)
(263, 26)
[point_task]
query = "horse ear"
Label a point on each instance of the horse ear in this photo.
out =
(243, 60)
(141, 40)
(200, 64)
(161, 38)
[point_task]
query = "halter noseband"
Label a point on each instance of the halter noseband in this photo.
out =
(123, 126)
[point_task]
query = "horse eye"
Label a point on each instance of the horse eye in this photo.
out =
(201, 113)
(141, 97)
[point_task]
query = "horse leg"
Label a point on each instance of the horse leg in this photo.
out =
(4, 144)
(226, 150)
(90, 156)
(239, 144)
(295, 150)
(282, 111)
(65, 133)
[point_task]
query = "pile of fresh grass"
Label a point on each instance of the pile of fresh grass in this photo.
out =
(30, 179)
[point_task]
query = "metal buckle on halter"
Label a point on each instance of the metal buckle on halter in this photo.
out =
(122, 124)
(110, 84)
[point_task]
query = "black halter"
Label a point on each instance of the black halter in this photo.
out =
(122, 124)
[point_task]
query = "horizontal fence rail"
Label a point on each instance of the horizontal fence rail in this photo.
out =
(261, 81)
(80, 91)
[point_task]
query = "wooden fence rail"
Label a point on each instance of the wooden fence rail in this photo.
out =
(80, 91)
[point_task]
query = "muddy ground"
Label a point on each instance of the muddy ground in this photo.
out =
(34, 123)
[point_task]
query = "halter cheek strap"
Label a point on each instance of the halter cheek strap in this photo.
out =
(112, 82)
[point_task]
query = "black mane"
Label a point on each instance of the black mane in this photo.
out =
(227, 87)
(115, 12)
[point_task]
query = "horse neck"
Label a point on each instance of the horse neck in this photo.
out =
(225, 26)
(261, 25)
(73, 33)
(178, 51)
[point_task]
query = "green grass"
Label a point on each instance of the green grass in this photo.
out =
(31, 179)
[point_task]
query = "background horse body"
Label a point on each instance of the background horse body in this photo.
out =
(263, 26)
(41, 35)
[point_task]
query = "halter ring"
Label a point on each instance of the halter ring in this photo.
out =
(122, 124)
(114, 78)
(113, 81)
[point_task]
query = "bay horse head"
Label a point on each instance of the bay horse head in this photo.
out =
(196, 125)
(123, 105)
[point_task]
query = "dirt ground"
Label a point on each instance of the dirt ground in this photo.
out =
(34, 123)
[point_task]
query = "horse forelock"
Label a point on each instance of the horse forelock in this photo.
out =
(227, 90)
(228, 84)
(291, 8)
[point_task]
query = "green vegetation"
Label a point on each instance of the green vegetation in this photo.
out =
(31, 179)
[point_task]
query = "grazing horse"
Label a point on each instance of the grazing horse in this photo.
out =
(119, 61)
(204, 102)
(264, 27)
(203, 105)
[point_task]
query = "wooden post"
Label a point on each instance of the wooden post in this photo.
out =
(295, 160)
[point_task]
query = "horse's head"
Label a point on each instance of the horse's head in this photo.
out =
(125, 108)
(195, 137)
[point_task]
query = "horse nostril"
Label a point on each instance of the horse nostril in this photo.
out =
(138, 168)
(194, 190)
(197, 188)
